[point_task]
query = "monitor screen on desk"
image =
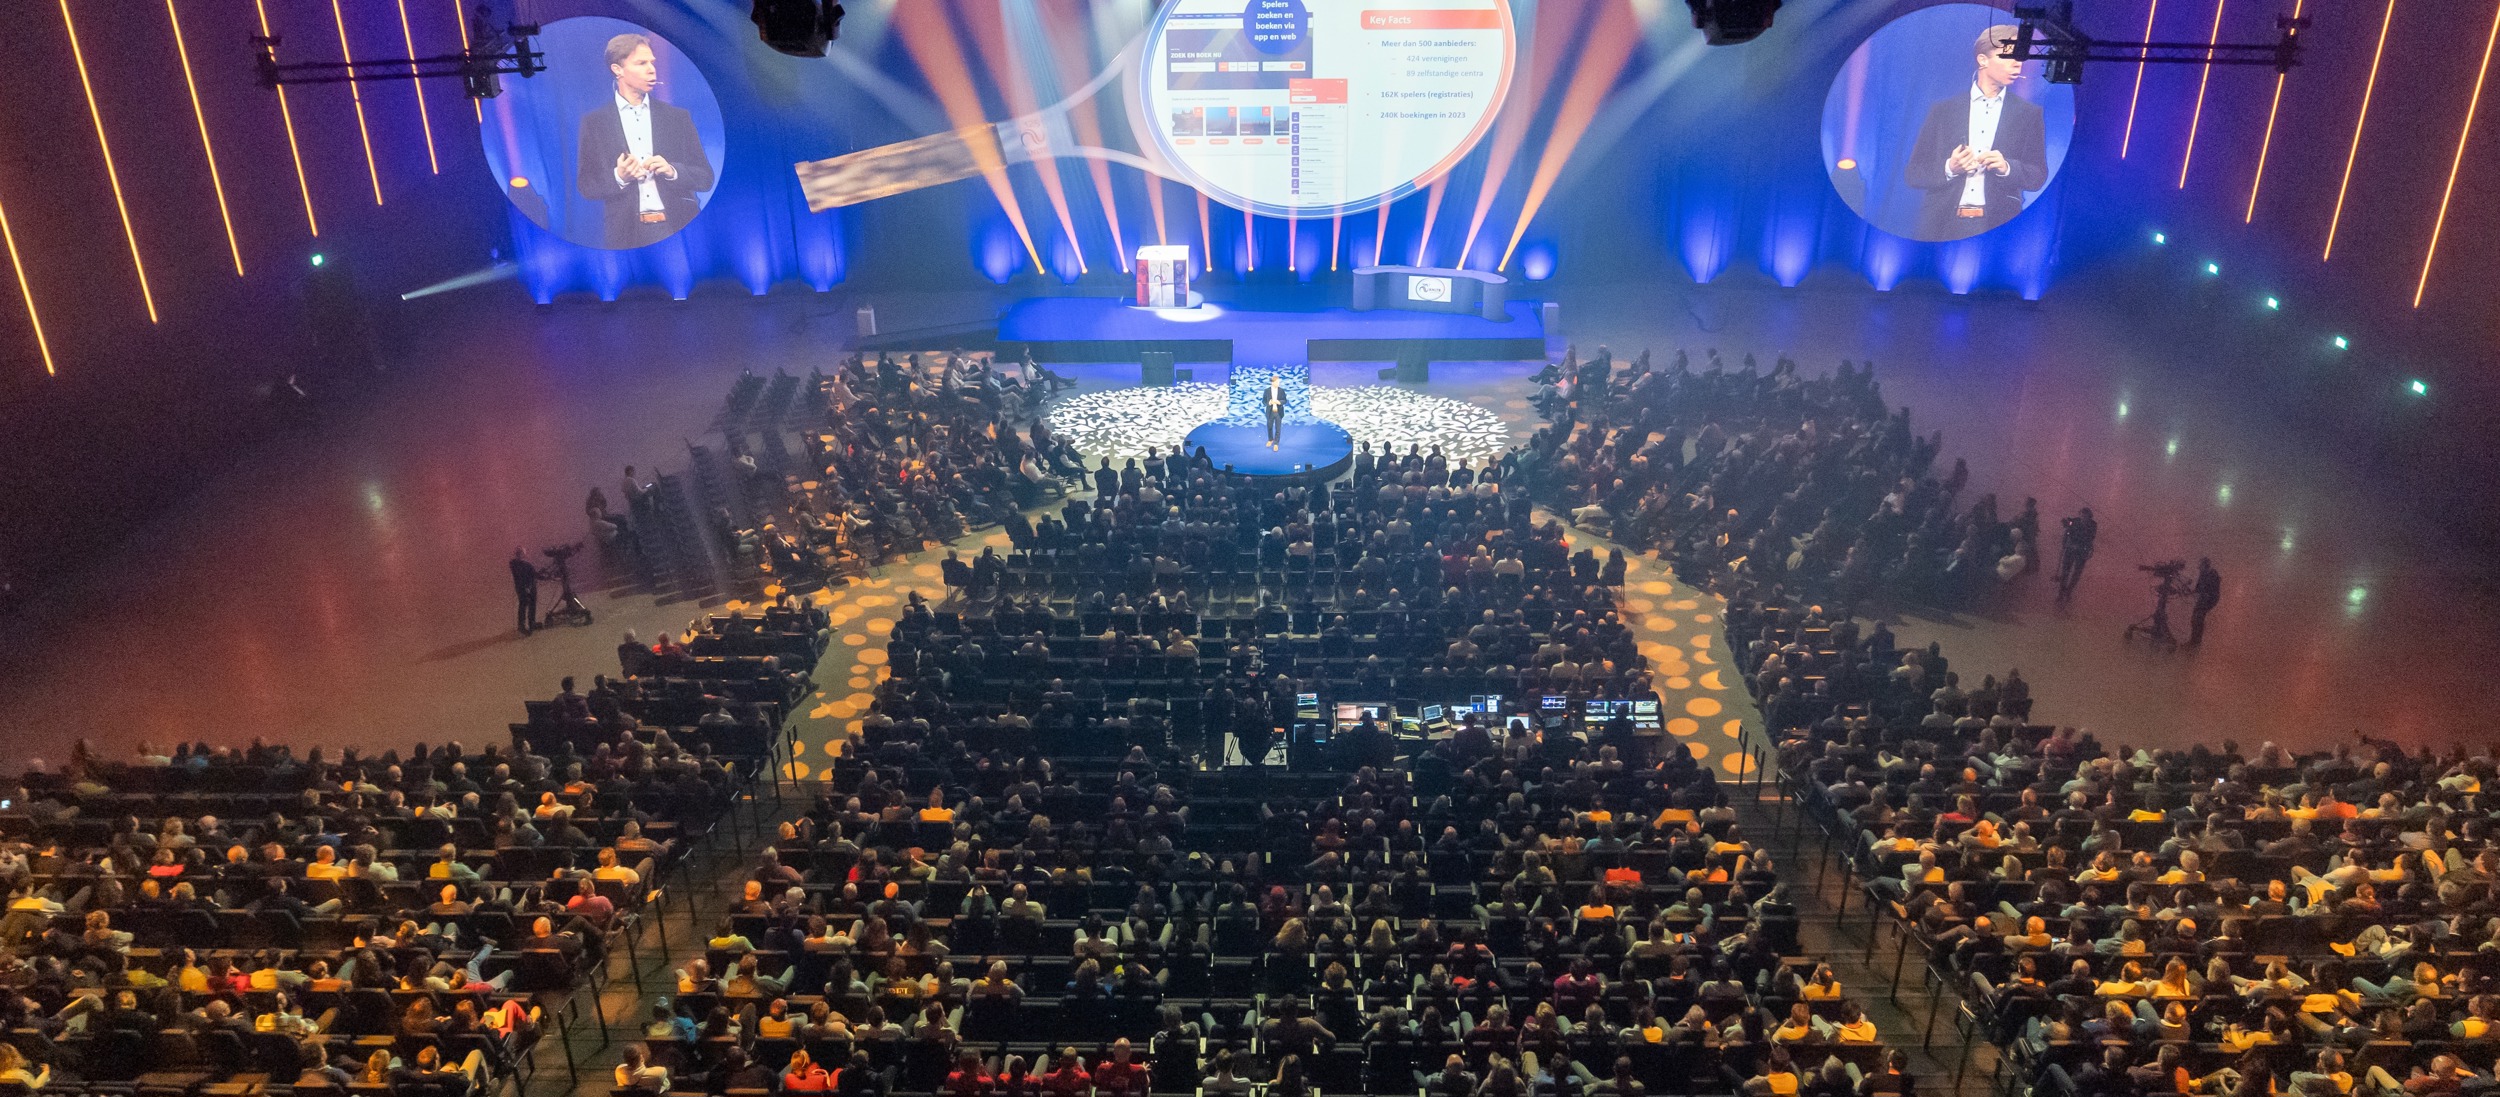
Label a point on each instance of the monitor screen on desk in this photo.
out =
(1355, 712)
(1433, 714)
(1306, 706)
(1645, 708)
(1555, 702)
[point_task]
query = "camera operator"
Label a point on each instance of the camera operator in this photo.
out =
(2208, 590)
(2075, 550)
(525, 589)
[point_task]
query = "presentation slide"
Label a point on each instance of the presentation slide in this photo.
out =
(1296, 107)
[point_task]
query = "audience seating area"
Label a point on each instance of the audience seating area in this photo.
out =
(1028, 873)
(210, 919)
(2120, 922)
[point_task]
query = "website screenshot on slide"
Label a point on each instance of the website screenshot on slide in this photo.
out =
(1312, 104)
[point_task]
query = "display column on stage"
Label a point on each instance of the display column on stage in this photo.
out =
(1163, 276)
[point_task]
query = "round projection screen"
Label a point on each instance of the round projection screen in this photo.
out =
(1928, 134)
(1296, 107)
(617, 145)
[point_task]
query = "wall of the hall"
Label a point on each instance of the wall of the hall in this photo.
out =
(1702, 163)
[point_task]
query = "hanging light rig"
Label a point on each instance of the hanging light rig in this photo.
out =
(492, 54)
(2048, 35)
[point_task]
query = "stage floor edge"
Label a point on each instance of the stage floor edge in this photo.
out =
(1314, 449)
(1104, 329)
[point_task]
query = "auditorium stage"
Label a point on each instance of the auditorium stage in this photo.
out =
(1101, 329)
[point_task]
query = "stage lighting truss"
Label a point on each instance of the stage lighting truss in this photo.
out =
(2048, 35)
(492, 55)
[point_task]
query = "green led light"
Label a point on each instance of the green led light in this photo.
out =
(2274, 302)
(2341, 343)
(317, 259)
(2419, 387)
(2161, 238)
(2213, 268)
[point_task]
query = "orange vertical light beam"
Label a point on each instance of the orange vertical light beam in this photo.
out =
(1432, 211)
(2267, 146)
(2128, 138)
(373, 171)
(1206, 229)
(1609, 49)
(27, 289)
(929, 36)
(2464, 133)
(2353, 154)
(111, 173)
(461, 20)
(1380, 232)
(287, 114)
(1087, 119)
(425, 118)
(1517, 112)
(989, 36)
(2198, 115)
(216, 181)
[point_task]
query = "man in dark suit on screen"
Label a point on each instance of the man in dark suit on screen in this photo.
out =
(1980, 151)
(640, 158)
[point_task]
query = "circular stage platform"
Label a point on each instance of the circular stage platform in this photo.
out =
(1317, 449)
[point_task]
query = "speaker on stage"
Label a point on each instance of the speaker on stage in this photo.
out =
(1414, 366)
(1154, 368)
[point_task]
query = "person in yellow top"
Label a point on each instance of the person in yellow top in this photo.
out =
(1822, 986)
(191, 977)
(325, 865)
(2130, 983)
(2478, 1021)
(1778, 1077)
(2177, 981)
(1853, 1028)
(1598, 908)
(2237, 1037)
(2189, 870)
(937, 811)
(1797, 1028)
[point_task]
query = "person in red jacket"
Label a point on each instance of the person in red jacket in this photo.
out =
(970, 1078)
(1121, 1075)
(1068, 1077)
(803, 1075)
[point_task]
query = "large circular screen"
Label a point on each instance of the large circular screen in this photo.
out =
(1929, 133)
(1291, 107)
(617, 145)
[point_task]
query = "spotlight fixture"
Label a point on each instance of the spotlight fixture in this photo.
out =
(2161, 238)
(318, 259)
(800, 28)
(2419, 387)
(2213, 268)
(1729, 22)
(2341, 343)
(2274, 304)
